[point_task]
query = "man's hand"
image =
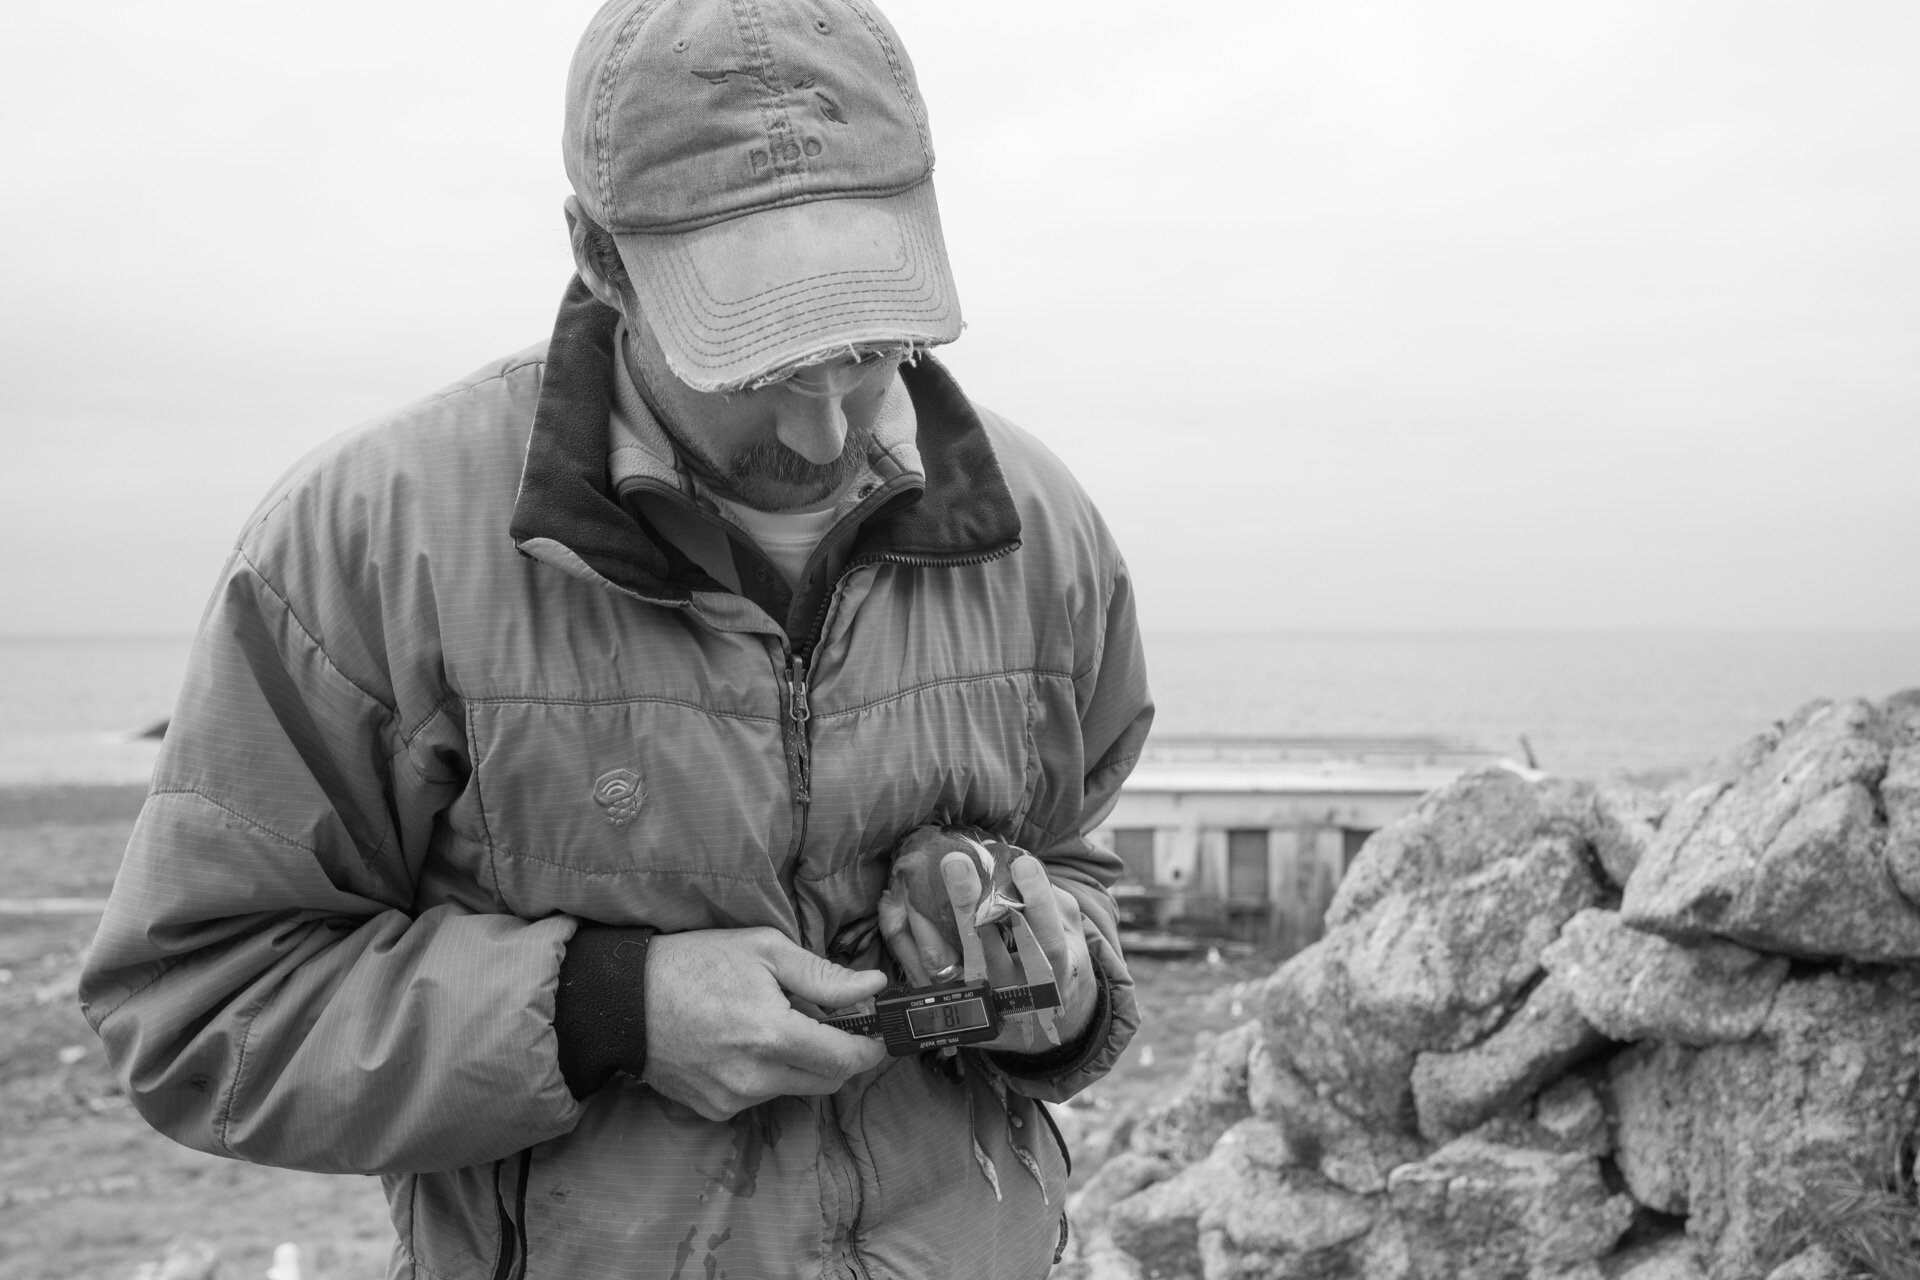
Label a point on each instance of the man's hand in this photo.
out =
(721, 1035)
(1055, 917)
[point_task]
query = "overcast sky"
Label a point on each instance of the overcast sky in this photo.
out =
(1350, 314)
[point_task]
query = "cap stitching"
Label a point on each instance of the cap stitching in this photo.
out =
(744, 344)
(919, 238)
(903, 284)
(901, 79)
(774, 115)
(720, 357)
(838, 302)
(763, 330)
(923, 261)
(732, 355)
(603, 121)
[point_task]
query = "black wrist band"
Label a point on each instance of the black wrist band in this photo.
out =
(600, 1006)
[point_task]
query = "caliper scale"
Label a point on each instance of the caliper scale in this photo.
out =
(967, 1010)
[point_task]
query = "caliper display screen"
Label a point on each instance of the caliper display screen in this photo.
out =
(943, 1019)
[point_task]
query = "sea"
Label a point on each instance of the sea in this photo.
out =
(1587, 703)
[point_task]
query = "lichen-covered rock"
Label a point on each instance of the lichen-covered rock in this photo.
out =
(1247, 1208)
(1726, 1134)
(1091, 1252)
(1159, 1228)
(1572, 1116)
(1320, 1134)
(1495, 1212)
(1474, 963)
(1900, 791)
(1431, 970)
(1817, 1263)
(1634, 985)
(1453, 1092)
(1625, 819)
(1667, 1257)
(1210, 1100)
(1650, 1086)
(1288, 1219)
(1568, 1118)
(1482, 817)
(1790, 856)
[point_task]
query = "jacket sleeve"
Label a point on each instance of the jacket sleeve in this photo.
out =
(260, 980)
(1116, 711)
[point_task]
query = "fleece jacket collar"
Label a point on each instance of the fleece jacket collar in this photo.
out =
(964, 514)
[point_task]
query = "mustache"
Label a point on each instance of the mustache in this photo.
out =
(769, 460)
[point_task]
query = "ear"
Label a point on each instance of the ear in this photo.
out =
(586, 260)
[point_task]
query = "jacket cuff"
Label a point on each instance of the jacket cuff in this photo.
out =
(1074, 1055)
(600, 1006)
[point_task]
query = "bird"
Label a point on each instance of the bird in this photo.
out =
(918, 885)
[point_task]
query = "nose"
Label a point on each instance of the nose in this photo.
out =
(809, 417)
(815, 427)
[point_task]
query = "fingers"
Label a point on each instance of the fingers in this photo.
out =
(745, 1083)
(898, 931)
(930, 945)
(906, 949)
(963, 888)
(817, 978)
(1043, 904)
(799, 1043)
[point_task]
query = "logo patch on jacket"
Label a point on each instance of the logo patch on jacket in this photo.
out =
(618, 792)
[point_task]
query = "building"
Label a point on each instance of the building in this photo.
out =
(1247, 838)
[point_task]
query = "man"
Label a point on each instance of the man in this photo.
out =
(543, 748)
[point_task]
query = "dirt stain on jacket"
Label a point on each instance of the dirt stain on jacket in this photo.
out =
(755, 1133)
(684, 1250)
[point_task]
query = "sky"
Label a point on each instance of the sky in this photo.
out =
(1350, 314)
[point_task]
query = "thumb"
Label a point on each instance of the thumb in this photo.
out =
(819, 979)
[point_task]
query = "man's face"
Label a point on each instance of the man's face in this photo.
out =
(787, 446)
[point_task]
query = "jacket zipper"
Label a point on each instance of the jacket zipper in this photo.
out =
(512, 1259)
(799, 752)
(799, 712)
(1000, 552)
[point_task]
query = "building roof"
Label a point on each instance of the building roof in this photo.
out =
(1313, 765)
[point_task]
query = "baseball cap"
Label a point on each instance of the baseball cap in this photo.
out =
(765, 168)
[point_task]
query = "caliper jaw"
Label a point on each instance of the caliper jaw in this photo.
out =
(1036, 974)
(1009, 916)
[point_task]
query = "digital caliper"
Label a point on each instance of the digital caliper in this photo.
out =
(965, 1011)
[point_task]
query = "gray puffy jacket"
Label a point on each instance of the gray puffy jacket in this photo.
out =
(415, 751)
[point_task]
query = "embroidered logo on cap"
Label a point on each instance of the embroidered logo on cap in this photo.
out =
(618, 792)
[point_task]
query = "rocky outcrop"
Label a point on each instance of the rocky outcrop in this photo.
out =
(1900, 793)
(1453, 1092)
(1249, 1208)
(1791, 854)
(1488, 816)
(1560, 1032)
(1212, 1099)
(1435, 968)
(1632, 985)
(1727, 1134)
(1479, 1208)
(1624, 823)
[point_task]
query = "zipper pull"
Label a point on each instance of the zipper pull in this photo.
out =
(797, 693)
